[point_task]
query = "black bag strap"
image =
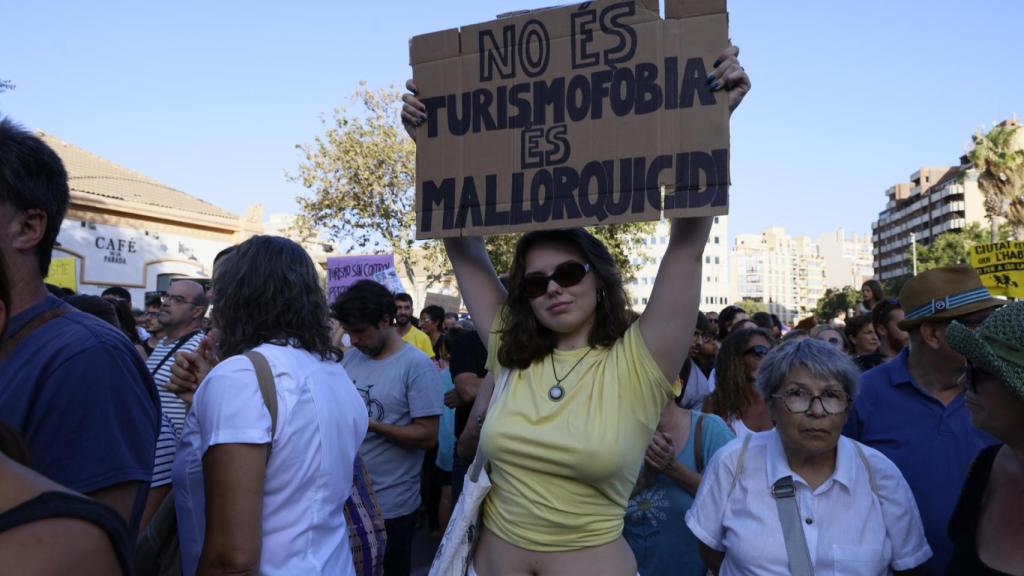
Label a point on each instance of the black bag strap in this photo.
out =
(177, 346)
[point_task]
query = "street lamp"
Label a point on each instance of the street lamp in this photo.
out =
(913, 250)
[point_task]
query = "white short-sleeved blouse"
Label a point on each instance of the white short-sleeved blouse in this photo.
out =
(850, 530)
(321, 422)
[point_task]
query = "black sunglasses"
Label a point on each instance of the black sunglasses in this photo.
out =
(760, 350)
(565, 275)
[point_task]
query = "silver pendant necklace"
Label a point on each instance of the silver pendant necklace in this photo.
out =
(556, 393)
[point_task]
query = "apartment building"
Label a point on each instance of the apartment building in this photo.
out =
(715, 291)
(784, 272)
(936, 200)
(848, 258)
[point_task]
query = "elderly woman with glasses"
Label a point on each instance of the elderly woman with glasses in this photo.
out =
(801, 499)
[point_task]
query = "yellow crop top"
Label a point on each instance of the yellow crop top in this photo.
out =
(562, 472)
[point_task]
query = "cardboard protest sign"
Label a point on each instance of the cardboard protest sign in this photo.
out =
(344, 271)
(62, 273)
(594, 113)
(449, 303)
(1001, 267)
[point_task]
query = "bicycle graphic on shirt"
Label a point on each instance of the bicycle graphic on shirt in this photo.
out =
(374, 408)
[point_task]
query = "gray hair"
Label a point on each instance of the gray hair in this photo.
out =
(820, 358)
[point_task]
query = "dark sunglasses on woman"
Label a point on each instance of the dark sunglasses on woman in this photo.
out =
(759, 350)
(565, 275)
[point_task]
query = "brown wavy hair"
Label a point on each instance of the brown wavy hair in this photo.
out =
(524, 340)
(732, 391)
(268, 291)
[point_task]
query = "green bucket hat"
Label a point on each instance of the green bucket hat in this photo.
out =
(996, 346)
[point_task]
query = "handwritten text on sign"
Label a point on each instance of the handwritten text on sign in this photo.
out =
(567, 117)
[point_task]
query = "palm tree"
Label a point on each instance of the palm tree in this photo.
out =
(998, 157)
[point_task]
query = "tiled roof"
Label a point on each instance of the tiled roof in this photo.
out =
(96, 176)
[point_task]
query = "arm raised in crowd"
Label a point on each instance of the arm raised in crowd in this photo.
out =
(478, 282)
(672, 308)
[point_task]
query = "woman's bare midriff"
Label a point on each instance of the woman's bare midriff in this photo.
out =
(497, 557)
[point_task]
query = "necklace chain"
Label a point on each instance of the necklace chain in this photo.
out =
(558, 381)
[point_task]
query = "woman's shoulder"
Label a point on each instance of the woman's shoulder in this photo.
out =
(711, 422)
(881, 468)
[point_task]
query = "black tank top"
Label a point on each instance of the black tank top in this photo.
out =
(65, 505)
(963, 526)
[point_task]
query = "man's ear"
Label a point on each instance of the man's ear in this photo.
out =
(931, 335)
(27, 229)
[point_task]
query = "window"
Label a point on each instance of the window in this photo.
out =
(643, 301)
(716, 219)
(716, 239)
(716, 259)
(707, 259)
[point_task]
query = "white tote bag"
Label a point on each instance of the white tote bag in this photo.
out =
(455, 554)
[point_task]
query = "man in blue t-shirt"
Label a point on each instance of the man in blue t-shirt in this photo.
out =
(912, 408)
(73, 386)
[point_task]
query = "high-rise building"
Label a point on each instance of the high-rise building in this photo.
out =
(784, 272)
(848, 258)
(935, 201)
(715, 288)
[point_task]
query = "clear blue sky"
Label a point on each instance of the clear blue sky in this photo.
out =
(211, 97)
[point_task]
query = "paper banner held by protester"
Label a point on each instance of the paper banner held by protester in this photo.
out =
(389, 278)
(343, 271)
(62, 273)
(1001, 267)
(594, 113)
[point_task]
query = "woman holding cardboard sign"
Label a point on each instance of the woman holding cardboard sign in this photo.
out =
(584, 384)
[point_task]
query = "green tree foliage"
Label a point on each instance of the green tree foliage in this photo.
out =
(361, 172)
(361, 175)
(998, 156)
(836, 303)
(752, 306)
(953, 247)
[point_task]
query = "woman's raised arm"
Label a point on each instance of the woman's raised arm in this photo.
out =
(478, 282)
(670, 316)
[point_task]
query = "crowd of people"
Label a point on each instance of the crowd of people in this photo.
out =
(251, 426)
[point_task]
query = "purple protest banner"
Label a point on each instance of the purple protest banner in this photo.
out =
(343, 271)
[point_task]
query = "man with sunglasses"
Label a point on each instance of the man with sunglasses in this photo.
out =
(912, 408)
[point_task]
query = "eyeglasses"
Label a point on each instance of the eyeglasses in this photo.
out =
(799, 401)
(760, 350)
(177, 299)
(704, 337)
(566, 274)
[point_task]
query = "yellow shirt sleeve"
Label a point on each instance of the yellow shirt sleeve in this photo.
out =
(421, 341)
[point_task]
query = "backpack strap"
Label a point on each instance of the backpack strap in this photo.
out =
(27, 330)
(698, 444)
(739, 462)
(265, 377)
(867, 466)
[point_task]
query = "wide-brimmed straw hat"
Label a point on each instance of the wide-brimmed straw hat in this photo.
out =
(997, 345)
(943, 294)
